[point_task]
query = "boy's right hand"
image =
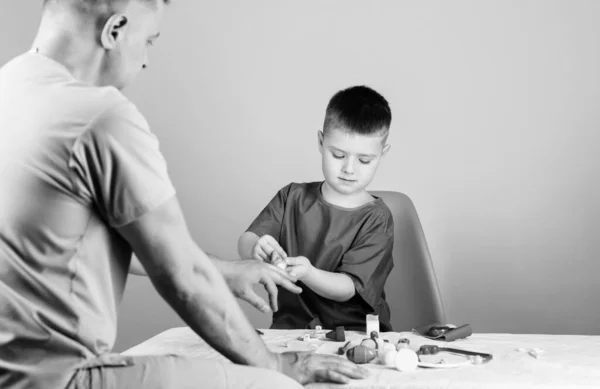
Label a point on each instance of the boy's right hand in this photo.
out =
(264, 248)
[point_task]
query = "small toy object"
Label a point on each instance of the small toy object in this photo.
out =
(406, 360)
(402, 343)
(384, 349)
(447, 333)
(372, 323)
(342, 350)
(370, 343)
(471, 355)
(373, 342)
(312, 334)
(278, 261)
(534, 352)
(337, 335)
(436, 331)
(361, 354)
(388, 357)
(403, 359)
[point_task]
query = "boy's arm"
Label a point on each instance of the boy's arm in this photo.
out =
(265, 229)
(333, 286)
(246, 244)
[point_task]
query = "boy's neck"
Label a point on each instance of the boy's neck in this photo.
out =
(345, 201)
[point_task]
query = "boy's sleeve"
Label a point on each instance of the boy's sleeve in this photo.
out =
(117, 165)
(369, 260)
(268, 221)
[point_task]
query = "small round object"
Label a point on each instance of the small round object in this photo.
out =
(402, 343)
(280, 263)
(406, 360)
(370, 343)
(361, 354)
(383, 349)
(389, 358)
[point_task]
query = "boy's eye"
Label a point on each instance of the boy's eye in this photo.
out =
(338, 156)
(365, 162)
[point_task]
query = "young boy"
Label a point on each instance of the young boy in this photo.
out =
(335, 237)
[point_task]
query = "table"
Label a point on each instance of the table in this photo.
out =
(567, 361)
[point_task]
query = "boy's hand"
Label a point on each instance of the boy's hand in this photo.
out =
(299, 267)
(264, 248)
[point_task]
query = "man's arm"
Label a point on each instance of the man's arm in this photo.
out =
(137, 269)
(241, 277)
(189, 281)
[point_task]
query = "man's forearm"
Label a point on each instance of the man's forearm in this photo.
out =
(334, 286)
(137, 269)
(203, 300)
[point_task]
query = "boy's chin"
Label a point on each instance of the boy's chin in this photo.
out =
(347, 189)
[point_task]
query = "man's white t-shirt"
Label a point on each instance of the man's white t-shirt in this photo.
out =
(76, 161)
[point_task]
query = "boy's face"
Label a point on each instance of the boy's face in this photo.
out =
(350, 160)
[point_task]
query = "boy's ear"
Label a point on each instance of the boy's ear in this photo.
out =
(113, 31)
(385, 149)
(320, 134)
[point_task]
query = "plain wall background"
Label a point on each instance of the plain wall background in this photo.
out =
(495, 136)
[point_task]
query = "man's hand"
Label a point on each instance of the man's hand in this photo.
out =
(264, 248)
(306, 367)
(299, 267)
(241, 276)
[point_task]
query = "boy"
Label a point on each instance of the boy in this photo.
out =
(335, 237)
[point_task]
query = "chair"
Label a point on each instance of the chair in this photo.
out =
(411, 289)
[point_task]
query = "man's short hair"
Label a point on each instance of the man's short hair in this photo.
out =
(90, 5)
(360, 110)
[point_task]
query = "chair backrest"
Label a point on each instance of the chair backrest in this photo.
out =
(411, 289)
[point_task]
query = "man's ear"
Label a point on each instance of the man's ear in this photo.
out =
(320, 135)
(385, 149)
(113, 31)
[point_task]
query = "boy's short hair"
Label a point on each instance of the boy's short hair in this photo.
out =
(358, 109)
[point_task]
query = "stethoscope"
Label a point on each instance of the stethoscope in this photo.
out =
(473, 357)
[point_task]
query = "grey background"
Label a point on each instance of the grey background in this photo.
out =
(495, 136)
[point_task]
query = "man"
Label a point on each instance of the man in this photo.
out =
(83, 185)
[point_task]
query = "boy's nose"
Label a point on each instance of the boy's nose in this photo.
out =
(348, 168)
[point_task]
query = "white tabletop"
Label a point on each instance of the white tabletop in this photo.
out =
(566, 361)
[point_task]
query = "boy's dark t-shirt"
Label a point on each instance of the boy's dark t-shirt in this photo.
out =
(357, 242)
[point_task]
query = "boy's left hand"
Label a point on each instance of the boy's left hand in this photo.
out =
(299, 267)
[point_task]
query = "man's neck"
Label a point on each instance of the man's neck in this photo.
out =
(72, 47)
